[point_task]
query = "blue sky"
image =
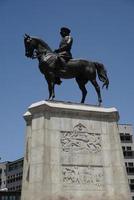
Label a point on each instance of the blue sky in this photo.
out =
(103, 31)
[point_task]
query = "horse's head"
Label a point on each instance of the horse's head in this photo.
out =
(30, 46)
(34, 43)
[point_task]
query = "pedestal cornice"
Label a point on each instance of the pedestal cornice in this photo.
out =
(69, 108)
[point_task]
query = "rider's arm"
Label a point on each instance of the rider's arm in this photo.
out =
(67, 45)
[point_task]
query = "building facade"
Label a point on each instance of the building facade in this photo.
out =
(6, 195)
(127, 143)
(14, 175)
(3, 177)
(11, 175)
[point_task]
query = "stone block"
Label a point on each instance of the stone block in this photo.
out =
(73, 152)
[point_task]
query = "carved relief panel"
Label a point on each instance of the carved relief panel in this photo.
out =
(85, 177)
(81, 164)
(80, 140)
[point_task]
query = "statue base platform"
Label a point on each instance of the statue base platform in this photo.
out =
(73, 152)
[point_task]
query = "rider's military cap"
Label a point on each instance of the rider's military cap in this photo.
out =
(67, 30)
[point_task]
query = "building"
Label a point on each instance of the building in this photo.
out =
(14, 175)
(11, 177)
(127, 143)
(5, 195)
(3, 177)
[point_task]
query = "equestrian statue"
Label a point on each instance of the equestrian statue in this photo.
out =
(59, 64)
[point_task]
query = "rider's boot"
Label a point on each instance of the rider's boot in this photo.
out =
(61, 64)
(57, 79)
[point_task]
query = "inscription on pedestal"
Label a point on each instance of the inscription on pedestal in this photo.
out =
(78, 146)
(80, 140)
(91, 177)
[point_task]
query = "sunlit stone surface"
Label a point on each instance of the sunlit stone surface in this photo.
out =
(73, 152)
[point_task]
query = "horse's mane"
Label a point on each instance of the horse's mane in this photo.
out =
(43, 43)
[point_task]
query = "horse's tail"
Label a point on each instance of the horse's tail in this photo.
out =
(102, 74)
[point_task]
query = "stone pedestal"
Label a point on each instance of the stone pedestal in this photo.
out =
(73, 152)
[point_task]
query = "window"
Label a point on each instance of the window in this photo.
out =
(123, 148)
(126, 137)
(5, 171)
(4, 198)
(129, 148)
(127, 134)
(131, 184)
(131, 181)
(130, 164)
(130, 170)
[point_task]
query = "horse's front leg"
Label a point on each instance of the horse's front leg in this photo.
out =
(51, 85)
(50, 78)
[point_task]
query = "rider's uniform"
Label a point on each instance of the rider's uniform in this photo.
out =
(64, 50)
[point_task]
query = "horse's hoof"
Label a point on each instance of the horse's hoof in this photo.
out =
(100, 104)
(49, 99)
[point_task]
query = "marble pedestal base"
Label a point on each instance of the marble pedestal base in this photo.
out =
(73, 152)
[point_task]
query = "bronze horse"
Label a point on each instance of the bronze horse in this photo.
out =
(49, 65)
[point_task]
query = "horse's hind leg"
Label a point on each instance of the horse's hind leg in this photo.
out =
(51, 90)
(97, 88)
(81, 84)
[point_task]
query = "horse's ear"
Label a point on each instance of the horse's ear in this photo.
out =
(26, 36)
